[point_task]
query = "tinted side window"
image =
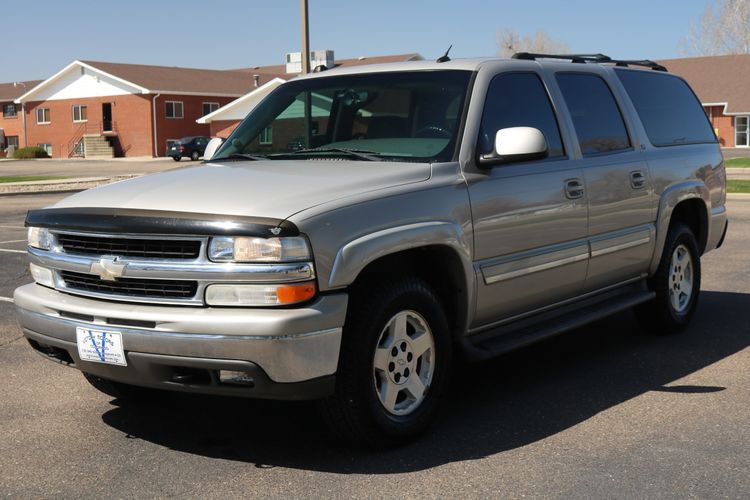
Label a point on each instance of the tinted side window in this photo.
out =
(518, 100)
(669, 111)
(596, 117)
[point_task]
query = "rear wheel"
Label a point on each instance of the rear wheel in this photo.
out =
(177, 158)
(677, 284)
(393, 366)
(118, 389)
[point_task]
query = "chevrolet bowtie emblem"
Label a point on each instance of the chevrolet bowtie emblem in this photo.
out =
(108, 268)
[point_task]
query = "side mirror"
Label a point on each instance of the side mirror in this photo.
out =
(516, 144)
(211, 148)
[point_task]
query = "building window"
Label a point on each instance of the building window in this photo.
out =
(46, 147)
(174, 109)
(9, 110)
(42, 116)
(741, 131)
(11, 140)
(80, 113)
(266, 135)
(210, 107)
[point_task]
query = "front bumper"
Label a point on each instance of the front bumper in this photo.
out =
(289, 353)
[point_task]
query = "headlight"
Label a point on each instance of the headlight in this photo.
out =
(259, 295)
(244, 249)
(40, 237)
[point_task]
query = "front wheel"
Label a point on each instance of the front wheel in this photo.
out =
(393, 366)
(195, 155)
(677, 284)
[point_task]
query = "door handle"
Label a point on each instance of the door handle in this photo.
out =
(637, 179)
(574, 189)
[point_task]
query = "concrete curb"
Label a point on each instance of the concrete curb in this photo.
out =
(58, 186)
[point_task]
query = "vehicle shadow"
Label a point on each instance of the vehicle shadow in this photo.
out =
(503, 404)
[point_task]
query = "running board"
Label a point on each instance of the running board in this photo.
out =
(505, 338)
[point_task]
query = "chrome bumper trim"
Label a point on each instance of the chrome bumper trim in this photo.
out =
(290, 345)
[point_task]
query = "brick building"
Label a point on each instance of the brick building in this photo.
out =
(11, 119)
(721, 83)
(112, 109)
(98, 108)
(224, 120)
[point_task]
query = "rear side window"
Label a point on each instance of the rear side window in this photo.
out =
(518, 100)
(669, 111)
(596, 117)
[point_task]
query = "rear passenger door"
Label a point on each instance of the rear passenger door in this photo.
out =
(621, 230)
(529, 217)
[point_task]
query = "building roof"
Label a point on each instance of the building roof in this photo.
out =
(150, 79)
(171, 79)
(279, 70)
(11, 91)
(719, 80)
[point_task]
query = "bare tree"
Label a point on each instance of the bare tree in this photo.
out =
(724, 28)
(510, 41)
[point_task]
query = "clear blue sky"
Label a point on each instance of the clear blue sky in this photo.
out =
(39, 37)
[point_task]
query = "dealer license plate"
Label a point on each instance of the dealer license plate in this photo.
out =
(100, 346)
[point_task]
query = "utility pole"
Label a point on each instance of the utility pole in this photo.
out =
(305, 39)
(305, 70)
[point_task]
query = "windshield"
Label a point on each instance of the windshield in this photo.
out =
(411, 116)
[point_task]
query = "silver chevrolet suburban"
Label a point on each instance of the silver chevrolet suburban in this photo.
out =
(365, 226)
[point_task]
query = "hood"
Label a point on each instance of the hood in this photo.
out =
(275, 189)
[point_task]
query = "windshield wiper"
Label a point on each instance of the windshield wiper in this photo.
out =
(360, 154)
(240, 156)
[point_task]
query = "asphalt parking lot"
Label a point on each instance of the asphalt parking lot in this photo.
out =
(605, 411)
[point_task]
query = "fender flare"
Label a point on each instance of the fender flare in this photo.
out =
(669, 199)
(355, 255)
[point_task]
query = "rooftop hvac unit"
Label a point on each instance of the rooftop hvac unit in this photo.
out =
(317, 58)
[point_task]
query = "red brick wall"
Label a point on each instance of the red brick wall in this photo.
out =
(131, 115)
(222, 128)
(169, 128)
(723, 124)
(11, 126)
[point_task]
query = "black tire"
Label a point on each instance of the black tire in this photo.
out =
(195, 155)
(659, 315)
(355, 412)
(177, 158)
(118, 389)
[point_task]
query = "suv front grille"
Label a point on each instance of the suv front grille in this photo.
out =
(131, 287)
(130, 247)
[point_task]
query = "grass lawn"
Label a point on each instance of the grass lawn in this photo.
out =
(738, 162)
(28, 178)
(738, 186)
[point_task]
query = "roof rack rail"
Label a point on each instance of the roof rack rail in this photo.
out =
(593, 58)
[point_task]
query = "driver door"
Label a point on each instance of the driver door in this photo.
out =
(530, 218)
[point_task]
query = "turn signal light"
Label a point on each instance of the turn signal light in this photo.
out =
(295, 293)
(259, 295)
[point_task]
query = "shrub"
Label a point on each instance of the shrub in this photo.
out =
(32, 152)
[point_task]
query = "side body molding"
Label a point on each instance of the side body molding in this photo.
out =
(668, 200)
(357, 254)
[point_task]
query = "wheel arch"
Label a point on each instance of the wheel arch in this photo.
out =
(437, 252)
(688, 202)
